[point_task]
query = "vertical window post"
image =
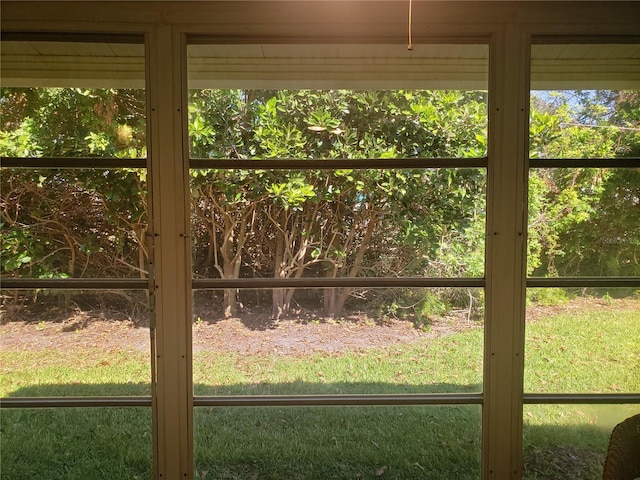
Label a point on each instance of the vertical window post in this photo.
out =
(506, 255)
(172, 392)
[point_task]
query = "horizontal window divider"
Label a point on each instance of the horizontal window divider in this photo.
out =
(337, 163)
(581, 398)
(336, 400)
(196, 38)
(320, 400)
(73, 162)
(61, 402)
(75, 283)
(631, 162)
(259, 283)
(611, 282)
(73, 37)
(551, 39)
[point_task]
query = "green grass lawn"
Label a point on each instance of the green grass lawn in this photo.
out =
(440, 365)
(595, 350)
(578, 351)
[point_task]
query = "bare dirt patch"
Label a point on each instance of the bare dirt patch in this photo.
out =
(300, 336)
(582, 304)
(71, 330)
(252, 333)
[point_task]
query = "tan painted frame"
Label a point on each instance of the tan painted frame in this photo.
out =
(507, 26)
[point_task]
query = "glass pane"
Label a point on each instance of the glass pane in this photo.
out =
(73, 99)
(325, 124)
(380, 341)
(76, 443)
(339, 223)
(357, 442)
(562, 440)
(74, 223)
(585, 101)
(582, 341)
(71, 343)
(584, 222)
(337, 101)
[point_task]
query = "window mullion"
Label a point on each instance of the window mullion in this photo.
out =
(169, 172)
(506, 256)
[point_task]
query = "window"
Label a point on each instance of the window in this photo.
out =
(319, 214)
(582, 308)
(328, 297)
(75, 256)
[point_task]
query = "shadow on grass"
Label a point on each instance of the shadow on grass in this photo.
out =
(355, 442)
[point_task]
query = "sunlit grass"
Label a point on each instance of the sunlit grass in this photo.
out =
(581, 351)
(587, 351)
(446, 364)
(64, 372)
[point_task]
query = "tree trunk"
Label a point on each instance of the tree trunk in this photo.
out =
(334, 298)
(341, 298)
(329, 295)
(232, 261)
(230, 298)
(277, 308)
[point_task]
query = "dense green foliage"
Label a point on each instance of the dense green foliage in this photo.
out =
(73, 223)
(585, 221)
(346, 222)
(334, 223)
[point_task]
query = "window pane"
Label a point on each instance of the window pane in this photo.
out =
(74, 223)
(355, 442)
(569, 439)
(584, 222)
(340, 223)
(71, 343)
(325, 124)
(337, 101)
(73, 99)
(585, 101)
(73, 122)
(381, 341)
(582, 341)
(76, 443)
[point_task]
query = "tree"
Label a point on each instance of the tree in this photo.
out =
(330, 219)
(276, 223)
(583, 221)
(73, 222)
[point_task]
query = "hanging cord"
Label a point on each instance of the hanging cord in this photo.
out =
(410, 46)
